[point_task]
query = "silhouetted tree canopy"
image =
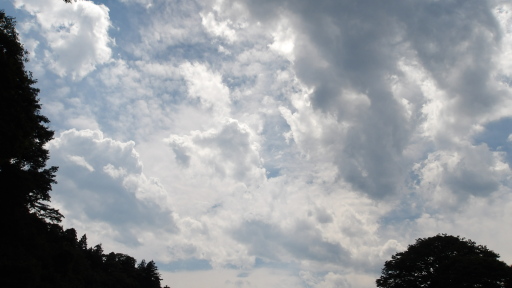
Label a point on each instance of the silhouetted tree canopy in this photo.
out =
(445, 261)
(25, 180)
(149, 275)
(35, 250)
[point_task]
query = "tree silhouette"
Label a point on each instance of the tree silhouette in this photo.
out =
(82, 244)
(149, 276)
(445, 261)
(25, 180)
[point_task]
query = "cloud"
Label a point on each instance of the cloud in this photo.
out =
(301, 242)
(171, 25)
(207, 87)
(216, 28)
(329, 280)
(76, 34)
(112, 188)
(354, 61)
(228, 278)
(343, 78)
(228, 152)
(138, 98)
(447, 177)
(80, 161)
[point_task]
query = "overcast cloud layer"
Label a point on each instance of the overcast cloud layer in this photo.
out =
(262, 143)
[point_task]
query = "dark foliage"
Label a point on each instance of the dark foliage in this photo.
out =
(26, 182)
(445, 261)
(45, 255)
(36, 250)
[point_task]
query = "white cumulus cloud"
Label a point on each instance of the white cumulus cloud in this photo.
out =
(76, 34)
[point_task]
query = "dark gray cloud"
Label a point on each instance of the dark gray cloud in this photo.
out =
(456, 42)
(467, 181)
(303, 241)
(323, 216)
(358, 46)
(473, 173)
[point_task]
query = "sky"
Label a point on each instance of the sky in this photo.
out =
(275, 143)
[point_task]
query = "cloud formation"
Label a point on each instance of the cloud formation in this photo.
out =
(76, 35)
(358, 58)
(101, 180)
(295, 142)
(227, 153)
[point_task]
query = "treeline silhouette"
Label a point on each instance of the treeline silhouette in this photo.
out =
(41, 254)
(35, 250)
